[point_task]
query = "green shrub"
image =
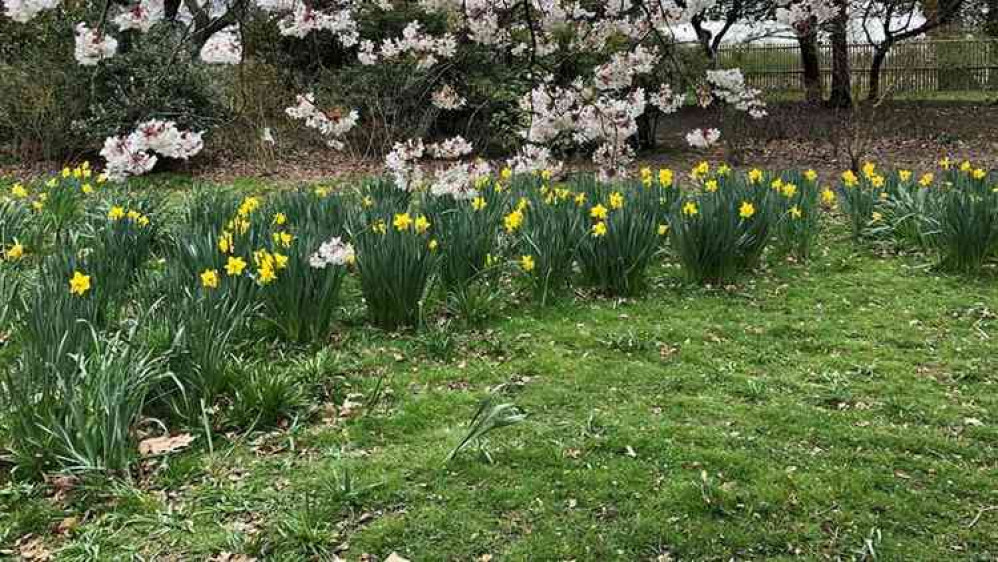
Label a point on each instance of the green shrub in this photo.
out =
(624, 234)
(964, 214)
(722, 228)
(79, 416)
(546, 228)
(301, 303)
(263, 396)
(74, 108)
(467, 231)
(798, 214)
(396, 258)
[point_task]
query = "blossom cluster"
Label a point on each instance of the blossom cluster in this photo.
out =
(93, 46)
(403, 164)
(135, 154)
(333, 125)
(597, 111)
(304, 20)
(23, 11)
(729, 86)
(140, 16)
(804, 16)
(703, 138)
(224, 47)
(426, 49)
(448, 98)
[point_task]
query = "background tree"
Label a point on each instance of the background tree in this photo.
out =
(841, 90)
(895, 20)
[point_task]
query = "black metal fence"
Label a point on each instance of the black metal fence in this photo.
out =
(910, 67)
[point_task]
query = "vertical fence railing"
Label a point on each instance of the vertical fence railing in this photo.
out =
(910, 67)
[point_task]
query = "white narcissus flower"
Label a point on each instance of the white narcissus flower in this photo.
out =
(703, 138)
(332, 252)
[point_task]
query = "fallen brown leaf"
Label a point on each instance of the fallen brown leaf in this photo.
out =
(164, 445)
(33, 549)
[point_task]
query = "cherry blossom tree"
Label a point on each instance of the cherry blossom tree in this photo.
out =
(592, 71)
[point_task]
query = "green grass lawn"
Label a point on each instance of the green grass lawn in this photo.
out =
(843, 409)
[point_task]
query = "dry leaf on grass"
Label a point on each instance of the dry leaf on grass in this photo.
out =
(164, 445)
(394, 557)
(230, 557)
(33, 549)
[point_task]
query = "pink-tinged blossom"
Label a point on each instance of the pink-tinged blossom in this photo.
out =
(425, 49)
(459, 179)
(703, 138)
(798, 14)
(534, 158)
(140, 16)
(666, 100)
(332, 126)
(448, 98)
(135, 154)
(451, 148)
(277, 5)
(122, 158)
(224, 47)
(93, 46)
(729, 86)
(403, 164)
(304, 20)
(619, 73)
(23, 11)
(164, 138)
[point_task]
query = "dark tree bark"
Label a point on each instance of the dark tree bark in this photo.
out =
(879, 55)
(841, 94)
(941, 13)
(709, 42)
(811, 64)
(991, 23)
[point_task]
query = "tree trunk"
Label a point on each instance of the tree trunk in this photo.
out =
(647, 125)
(812, 67)
(841, 95)
(704, 37)
(879, 55)
(991, 23)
